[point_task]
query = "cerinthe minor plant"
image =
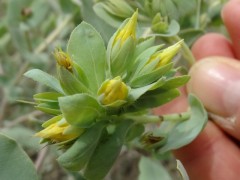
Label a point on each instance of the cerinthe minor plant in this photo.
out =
(101, 99)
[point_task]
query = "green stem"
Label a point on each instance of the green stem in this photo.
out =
(158, 119)
(197, 25)
(176, 117)
(187, 54)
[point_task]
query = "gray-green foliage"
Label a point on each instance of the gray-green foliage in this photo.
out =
(29, 30)
(148, 85)
(15, 163)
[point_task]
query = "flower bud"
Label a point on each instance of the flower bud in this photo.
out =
(165, 56)
(160, 24)
(112, 91)
(129, 30)
(63, 59)
(59, 131)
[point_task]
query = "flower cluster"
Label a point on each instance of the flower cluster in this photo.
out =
(101, 97)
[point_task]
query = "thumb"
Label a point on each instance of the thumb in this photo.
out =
(216, 81)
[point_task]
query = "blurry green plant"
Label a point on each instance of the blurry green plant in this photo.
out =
(31, 29)
(101, 99)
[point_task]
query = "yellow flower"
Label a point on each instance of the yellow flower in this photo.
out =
(59, 132)
(63, 59)
(165, 56)
(113, 90)
(129, 30)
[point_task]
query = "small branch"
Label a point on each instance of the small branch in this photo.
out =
(53, 35)
(197, 25)
(24, 118)
(3, 105)
(158, 119)
(176, 117)
(29, 44)
(40, 159)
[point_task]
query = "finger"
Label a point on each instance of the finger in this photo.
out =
(216, 81)
(210, 156)
(231, 17)
(212, 44)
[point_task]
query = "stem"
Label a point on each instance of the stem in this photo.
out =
(29, 44)
(176, 117)
(3, 105)
(53, 35)
(158, 119)
(40, 158)
(187, 54)
(197, 25)
(24, 118)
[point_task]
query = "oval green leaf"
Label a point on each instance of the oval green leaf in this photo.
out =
(14, 162)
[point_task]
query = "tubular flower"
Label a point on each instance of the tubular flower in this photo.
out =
(129, 30)
(164, 57)
(113, 90)
(58, 132)
(63, 59)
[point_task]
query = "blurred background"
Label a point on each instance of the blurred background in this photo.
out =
(30, 30)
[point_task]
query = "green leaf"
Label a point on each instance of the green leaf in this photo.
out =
(76, 157)
(44, 78)
(137, 92)
(100, 10)
(47, 97)
(51, 121)
(24, 137)
(107, 152)
(90, 16)
(142, 59)
(176, 82)
(49, 107)
(122, 59)
(151, 169)
(69, 83)
(150, 77)
(80, 110)
(86, 48)
(186, 131)
(156, 98)
(143, 45)
(14, 162)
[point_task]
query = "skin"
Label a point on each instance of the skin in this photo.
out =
(215, 79)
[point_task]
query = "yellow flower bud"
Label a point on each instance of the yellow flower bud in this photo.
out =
(63, 59)
(164, 57)
(113, 90)
(55, 132)
(129, 30)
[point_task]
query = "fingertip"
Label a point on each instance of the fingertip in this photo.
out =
(212, 44)
(231, 16)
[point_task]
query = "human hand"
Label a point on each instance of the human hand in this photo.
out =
(215, 79)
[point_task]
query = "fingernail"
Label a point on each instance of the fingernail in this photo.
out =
(216, 81)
